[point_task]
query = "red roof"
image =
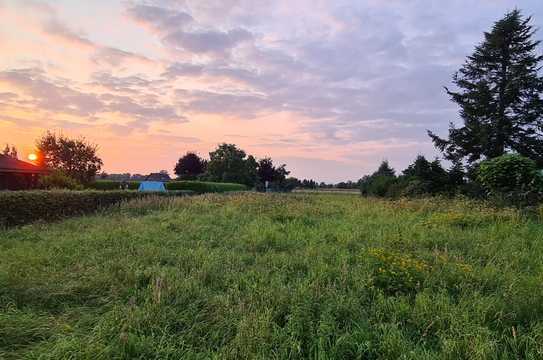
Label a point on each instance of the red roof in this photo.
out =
(12, 165)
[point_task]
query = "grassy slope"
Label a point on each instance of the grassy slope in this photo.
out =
(282, 276)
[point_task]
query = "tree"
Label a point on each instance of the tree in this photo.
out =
(384, 170)
(75, 157)
(228, 163)
(430, 177)
(380, 182)
(11, 152)
(266, 171)
(189, 166)
(499, 94)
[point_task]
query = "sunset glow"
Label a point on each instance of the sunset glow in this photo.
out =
(32, 157)
(330, 92)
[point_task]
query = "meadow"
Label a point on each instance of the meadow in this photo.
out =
(264, 276)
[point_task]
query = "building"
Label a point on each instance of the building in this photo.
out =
(17, 175)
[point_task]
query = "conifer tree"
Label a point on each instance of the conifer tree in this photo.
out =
(499, 91)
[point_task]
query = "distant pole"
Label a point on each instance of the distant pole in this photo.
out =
(267, 183)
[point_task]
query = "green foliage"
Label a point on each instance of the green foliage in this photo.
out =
(509, 173)
(190, 166)
(231, 165)
(58, 180)
(281, 276)
(23, 207)
(499, 96)
(379, 186)
(397, 273)
(380, 182)
(425, 178)
(199, 187)
(75, 157)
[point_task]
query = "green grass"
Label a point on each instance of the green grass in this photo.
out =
(265, 276)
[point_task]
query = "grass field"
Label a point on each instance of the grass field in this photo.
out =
(275, 276)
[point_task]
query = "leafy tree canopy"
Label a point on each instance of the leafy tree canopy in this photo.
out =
(75, 157)
(190, 165)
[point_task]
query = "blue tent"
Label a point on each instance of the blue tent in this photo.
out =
(151, 186)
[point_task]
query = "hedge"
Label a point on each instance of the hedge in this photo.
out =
(199, 187)
(23, 207)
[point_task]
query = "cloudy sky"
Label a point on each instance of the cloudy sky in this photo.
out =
(331, 88)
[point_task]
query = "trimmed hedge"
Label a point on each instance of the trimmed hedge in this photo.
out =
(23, 207)
(199, 187)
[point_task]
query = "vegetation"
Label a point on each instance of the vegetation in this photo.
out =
(199, 187)
(58, 180)
(23, 207)
(74, 157)
(499, 95)
(190, 166)
(10, 151)
(275, 276)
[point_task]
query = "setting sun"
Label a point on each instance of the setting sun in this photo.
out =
(32, 157)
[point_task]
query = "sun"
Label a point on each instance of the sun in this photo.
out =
(32, 157)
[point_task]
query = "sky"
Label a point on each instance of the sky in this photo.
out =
(331, 88)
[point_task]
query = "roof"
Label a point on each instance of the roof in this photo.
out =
(13, 165)
(151, 186)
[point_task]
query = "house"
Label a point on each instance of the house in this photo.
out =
(17, 175)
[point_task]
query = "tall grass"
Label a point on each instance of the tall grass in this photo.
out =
(275, 276)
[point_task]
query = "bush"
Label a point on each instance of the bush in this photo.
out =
(23, 207)
(58, 180)
(199, 187)
(379, 185)
(509, 173)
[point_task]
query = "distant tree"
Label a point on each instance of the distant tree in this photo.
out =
(189, 166)
(266, 171)
(75, 157)
(380, 182)
(11, 152)
(500, 87)
(228, 163)
(385, 170)
(430, 177)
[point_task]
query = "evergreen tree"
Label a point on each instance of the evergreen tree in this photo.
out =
(384, 170)
(499, 93)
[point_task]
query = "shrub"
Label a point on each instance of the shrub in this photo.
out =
(58, 180)
(379, 185)
(201, 187)
(23, 207)
(509, 173)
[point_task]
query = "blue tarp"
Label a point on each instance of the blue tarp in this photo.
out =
(151, 186)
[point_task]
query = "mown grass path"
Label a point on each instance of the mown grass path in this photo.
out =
(275, 276)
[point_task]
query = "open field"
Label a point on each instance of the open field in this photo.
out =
(275, 276)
